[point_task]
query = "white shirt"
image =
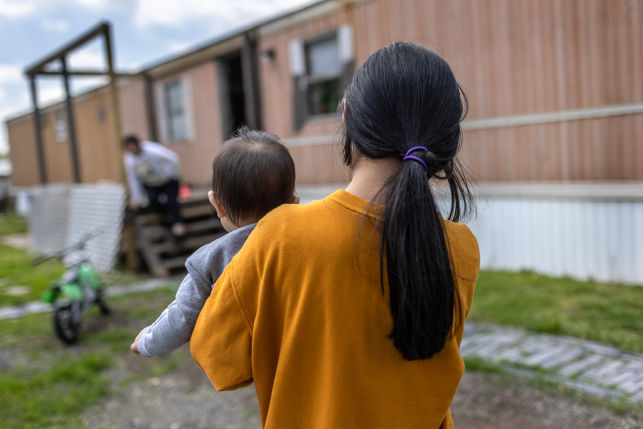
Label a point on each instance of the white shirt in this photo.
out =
(154, 166)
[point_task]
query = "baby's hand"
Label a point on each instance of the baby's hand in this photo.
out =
(134, 346)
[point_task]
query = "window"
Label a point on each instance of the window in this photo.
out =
(61, 126)
(321, 68)
(324, 70)
(176, 123)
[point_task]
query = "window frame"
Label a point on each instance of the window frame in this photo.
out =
(298, 60)
(318, 79)
(163, 107)
(61, 126)
(172, 112)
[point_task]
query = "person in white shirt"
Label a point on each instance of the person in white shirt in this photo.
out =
(155, 169)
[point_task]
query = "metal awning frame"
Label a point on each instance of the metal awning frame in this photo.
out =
(103, 29)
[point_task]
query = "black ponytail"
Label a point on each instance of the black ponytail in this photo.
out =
(406, 96)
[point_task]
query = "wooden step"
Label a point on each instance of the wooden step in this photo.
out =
(202, 225)
(156, 243)
(173, 262)
(203, 209)
(190, 243)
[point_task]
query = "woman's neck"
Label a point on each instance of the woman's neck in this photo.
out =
(368, 176)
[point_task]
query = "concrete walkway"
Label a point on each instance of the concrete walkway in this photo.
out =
(591, 367)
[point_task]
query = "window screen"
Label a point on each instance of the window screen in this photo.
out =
(324, 68)
(323, 58)
(175, 111)
(61, 126)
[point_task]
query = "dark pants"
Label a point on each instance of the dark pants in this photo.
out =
(171, 205)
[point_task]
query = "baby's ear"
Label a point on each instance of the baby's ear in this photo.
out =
(295, 199)
(211, 196)
(216, 203)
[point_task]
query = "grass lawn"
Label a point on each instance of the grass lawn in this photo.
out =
(45, 384)
(11, 223)
(607, 313)
(16, 268)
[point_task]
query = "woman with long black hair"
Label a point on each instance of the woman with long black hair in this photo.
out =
(348, 312)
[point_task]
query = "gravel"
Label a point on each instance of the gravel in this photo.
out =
(497, 401)
(182, 399)
(186, 399)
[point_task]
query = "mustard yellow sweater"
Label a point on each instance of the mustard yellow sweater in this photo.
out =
(300, 312)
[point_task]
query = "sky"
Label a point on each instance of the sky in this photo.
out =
(143, 31)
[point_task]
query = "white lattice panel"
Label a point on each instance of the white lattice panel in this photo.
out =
(62, 215)
(49, 217)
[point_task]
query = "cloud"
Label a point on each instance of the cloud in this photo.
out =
(8, 108)
(50, 94)
(16, 8)
(87, 59)
(180, 13)
(57, 25)
(20, 8)
(97, 4)
(10, 73)
(176, 47)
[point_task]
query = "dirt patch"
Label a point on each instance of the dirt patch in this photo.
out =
(174, 393)
(495, 401)
(184, 398)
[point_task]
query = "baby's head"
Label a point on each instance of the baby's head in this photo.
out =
(252, 174)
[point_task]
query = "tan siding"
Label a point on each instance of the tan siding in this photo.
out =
(23, 153)
(512, 57)
(319, 165)
(98, 147)
(133, 109)
(197, 154)
(525, 153)
(98, 151)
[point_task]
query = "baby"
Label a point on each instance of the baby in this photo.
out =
(252, 174)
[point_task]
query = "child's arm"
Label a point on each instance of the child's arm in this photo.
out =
(174, 326)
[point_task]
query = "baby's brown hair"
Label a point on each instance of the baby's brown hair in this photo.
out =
(252, 174)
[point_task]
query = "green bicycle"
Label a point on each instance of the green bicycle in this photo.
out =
(75, 292)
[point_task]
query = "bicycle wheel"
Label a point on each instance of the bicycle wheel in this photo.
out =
(65, 325)
(102, 303)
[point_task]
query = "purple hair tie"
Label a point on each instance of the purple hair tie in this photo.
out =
(415, 158)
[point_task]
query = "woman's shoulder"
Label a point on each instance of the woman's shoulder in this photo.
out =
(291, 213)
(286, 219)
(463, 245)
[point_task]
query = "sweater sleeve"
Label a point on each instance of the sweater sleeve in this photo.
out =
(174, 326)
(221, 343)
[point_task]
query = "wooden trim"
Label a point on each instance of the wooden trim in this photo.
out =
(510, 121)
(591, 191)
(309, 141)
(562, 116)
(604, 191)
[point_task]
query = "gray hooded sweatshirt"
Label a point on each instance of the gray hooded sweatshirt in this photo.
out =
(174, 326)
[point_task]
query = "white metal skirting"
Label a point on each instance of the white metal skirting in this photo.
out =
(583, 239)
(581, 230)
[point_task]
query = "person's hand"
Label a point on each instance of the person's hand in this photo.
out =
(134, 346)
(134, 207)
